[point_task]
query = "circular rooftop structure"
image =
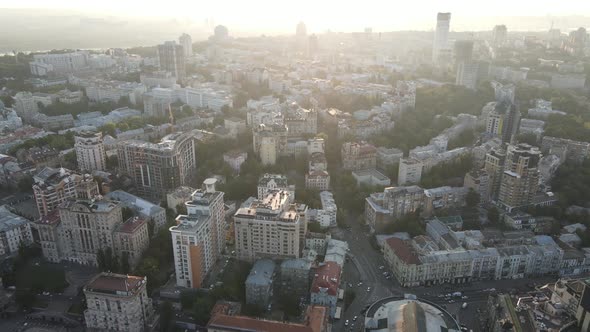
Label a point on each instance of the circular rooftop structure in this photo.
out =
(398, 314)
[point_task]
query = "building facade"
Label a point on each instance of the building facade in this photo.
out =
(158, 169)
(53, 186)
(117, 302)
(198, 238)
(171, 57)
(357, 156)
(90, 151)
(270, 227)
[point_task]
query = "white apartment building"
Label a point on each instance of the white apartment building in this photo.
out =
(60, 63)
(25, 106)
(410, 171)
(199, 236)
(117, 302)
(186, 42)
(268, 228)
(327, 215)
(90, 151)
(14, 232)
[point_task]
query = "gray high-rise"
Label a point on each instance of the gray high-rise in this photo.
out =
(171, 58)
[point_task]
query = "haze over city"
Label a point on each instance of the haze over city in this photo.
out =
(55, 24)
(300, 166)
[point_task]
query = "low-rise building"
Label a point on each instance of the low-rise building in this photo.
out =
(358, 155)
(15, 232)
(371, 177)
(325, 286)
(295, 277)
(259, 284)
(179, 196)
(317, 180)
(316, 319)
(117, 302)
(145, 209)
(388, 157)
(392, 203)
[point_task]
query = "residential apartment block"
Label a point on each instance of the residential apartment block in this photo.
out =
(270, 227)
(53, 186)
(198, 238)
(90, 151)
(446, 256)
(86, 227)
(259, 284)
(358, 155)
(117, 302)
(159, 168)
(410, 171)
(15, 231)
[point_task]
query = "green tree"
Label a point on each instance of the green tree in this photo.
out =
(127, 213)
(125, 267)
(25, 184)
(166, 315)
(472, 198)
(494, 215)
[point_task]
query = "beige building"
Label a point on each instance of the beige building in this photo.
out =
(392, 203)
(52, 186)
(131, 239)
(87, 227)
(361, 155)
(80, 228)
(158, 169)
(479, 181)
(268, 228)
(520, 180)
(90, 151)
(269, 142)
(117, 302)
(198, 238)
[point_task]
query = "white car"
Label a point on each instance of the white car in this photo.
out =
(346, 323)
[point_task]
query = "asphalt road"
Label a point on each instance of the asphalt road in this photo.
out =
(363, 265)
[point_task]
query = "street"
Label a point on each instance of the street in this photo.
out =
(363, 266)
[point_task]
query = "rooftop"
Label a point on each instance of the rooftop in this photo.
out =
(131, 225)
(261, 273)
(326, 279)
(313, 322)
(403, 250)
(115, 284)
(9, 220)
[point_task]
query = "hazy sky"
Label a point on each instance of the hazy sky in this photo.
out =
(319, 15)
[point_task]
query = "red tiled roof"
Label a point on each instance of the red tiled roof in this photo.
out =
(131, 225)
(403, 250)
(52, 218)
(313, 322)
(327, 277)
(111, 282)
